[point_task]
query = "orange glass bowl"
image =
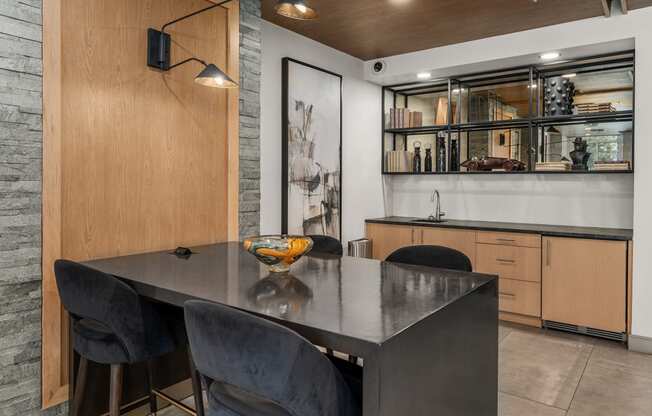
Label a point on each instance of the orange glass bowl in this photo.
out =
(278, 252)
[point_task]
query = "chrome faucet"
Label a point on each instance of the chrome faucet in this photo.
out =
(437, 214)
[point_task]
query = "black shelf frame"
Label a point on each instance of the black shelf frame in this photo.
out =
(534, 75)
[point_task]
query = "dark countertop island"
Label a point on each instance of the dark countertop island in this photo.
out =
(597, 233)
(428, 337)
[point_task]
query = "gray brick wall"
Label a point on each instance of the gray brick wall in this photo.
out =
(20, 208)
(249, 117)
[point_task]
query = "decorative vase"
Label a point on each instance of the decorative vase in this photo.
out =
(441, 154)
(455, 160)
(427, 161)
(416, 160)
(278, 252)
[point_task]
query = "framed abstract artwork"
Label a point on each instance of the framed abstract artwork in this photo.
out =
(312, 150)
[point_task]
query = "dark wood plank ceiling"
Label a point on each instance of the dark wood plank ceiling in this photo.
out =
(371, 29)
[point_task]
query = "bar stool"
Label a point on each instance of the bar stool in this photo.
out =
(432, 256)
(112, 325)
(326, 244)
(254, 367)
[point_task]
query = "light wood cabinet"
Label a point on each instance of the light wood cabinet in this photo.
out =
(509, 239)
(386, 238)
(584, 282)
(520, 297)
(460, 240)
(510, 262)
(516, 259)
(575, 281)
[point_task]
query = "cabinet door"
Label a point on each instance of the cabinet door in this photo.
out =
(584, 282)
(387, 238)
(461, 240)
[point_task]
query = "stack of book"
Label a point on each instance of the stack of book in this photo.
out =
(587, 108)
(615, 165)
(404, 118)
(398, 161)
(562, 165)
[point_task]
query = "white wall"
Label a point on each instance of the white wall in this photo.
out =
(598, 200)
(588, 200)
(362, 191)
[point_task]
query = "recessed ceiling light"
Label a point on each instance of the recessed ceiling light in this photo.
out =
(573, 75)
(549, 55)
(424, 75)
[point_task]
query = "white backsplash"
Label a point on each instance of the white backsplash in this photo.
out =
(604, 200)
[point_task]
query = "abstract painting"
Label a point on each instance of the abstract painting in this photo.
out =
(312, 150)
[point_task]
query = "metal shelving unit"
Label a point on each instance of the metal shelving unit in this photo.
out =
(457, 93)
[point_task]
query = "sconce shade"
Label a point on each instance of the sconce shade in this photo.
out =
(212, 76)
(295, 9)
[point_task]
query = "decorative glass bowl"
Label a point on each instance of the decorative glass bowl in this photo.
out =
(278, 252)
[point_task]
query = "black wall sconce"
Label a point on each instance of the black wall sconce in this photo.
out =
(158, 55)
(159, 43)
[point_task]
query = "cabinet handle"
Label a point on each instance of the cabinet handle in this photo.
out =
(506, 240)
(510, 295)
(421, 236)
(548, 253)
(413, 236)
(506, 261)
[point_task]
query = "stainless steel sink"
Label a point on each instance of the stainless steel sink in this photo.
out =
(429, 220)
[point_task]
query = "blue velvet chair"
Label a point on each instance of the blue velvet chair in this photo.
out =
(112, 325)
(254, 367)
(326, 244)
(432, 256)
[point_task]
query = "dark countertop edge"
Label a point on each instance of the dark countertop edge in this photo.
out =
(490, 278)
(594, 233)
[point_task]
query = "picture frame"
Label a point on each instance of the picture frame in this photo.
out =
(311, 150)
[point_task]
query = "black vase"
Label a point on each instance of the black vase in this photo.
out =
(416, 160)
(455, 161)
(427, 161)
(441, 154)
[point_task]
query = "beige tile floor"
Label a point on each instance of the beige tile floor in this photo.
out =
(549, 373)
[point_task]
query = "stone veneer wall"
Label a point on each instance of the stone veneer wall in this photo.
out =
(250, 117)
(21, 135)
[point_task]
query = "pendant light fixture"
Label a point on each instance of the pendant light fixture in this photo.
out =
(158, 55)
(295, 9)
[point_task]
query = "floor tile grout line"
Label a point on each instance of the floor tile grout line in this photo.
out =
(534, 401)
(581, 377)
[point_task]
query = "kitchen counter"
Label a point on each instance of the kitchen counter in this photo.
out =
(597, 233)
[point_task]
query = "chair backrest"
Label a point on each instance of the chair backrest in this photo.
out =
(326, 244)
(432, 256)
(87, 293)
(263, 361)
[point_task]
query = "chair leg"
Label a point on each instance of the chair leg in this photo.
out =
(196, 386)
(80, 386)
(153, 405)
(116, 389)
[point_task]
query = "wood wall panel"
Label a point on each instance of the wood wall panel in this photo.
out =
(144, 153)
(135, 160)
